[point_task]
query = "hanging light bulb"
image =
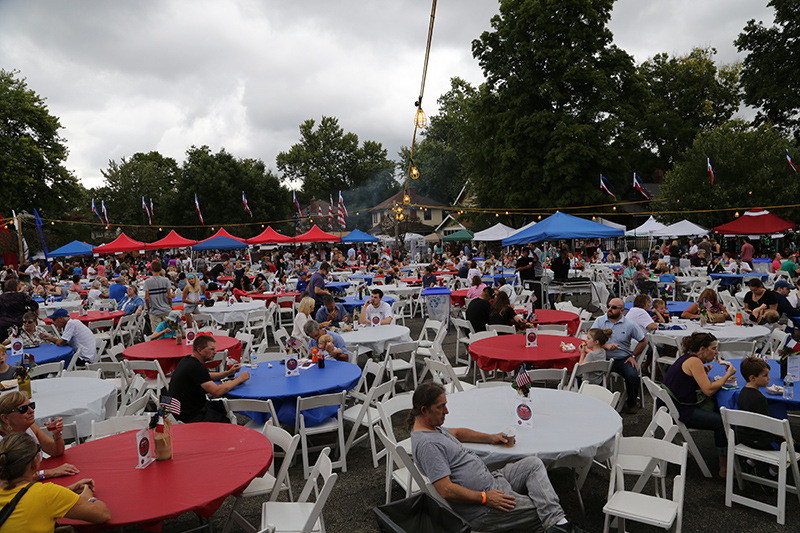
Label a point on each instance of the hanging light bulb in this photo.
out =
(420, 120)
(497, 214)
(506, 212)
(414, 173)
(540, 217)
(751, 192)
(159, 229)
(737, 214)
(406, 199)
(52, 222)
(262, 225)
(594, 218)
(615, 208)
(400, 216)
(356, 213)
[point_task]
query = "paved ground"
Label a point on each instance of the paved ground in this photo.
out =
(361, 489)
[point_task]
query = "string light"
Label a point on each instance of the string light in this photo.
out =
(737, 214)
(414, 173)
(497, 214)
(420, 120)
(52, 222)
(406, 199)
(159, 229)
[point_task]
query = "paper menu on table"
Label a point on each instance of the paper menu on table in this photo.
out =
(793, 366)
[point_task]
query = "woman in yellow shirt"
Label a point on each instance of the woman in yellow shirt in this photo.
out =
(43, 503)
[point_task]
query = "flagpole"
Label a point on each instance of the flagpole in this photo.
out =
(19, 238)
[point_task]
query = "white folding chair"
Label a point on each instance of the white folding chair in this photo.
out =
(502, 328)
(480, 335)
(463, 331)
(372, 370)
(657, 343)
(302, 516)
(545, 376)
(428, 332)
(395, 363)
(443, 374)
(154, 367)
(46, 369)
(774, 344)
(395, 469)
(238, 405)
(652, 510)
(366, 415)
(118, 424)
(287, 311)
(592, 367)
(330, 425)
(269, 483)
(389, 408)
(137, 407)
(553, 329)
(94, 374)
(247, 345)
(73, 363)
(660, 394)
(736, 349)
(600, 393)
(783, 458)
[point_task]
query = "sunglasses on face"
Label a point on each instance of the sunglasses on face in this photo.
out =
(615, 307)
(22, 409)
(29, 322)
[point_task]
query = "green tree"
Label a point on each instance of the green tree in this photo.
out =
(32, 154)
(557, 109)
(750, 171)
(686, 95)
(770, 76)
(438, 157)
(218, 180)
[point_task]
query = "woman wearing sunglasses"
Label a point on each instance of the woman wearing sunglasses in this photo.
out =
(41, 504)
(17, 416)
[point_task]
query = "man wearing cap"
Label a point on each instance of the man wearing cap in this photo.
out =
(302, 282)
(167, 328)
(75, 334)
(787, 302)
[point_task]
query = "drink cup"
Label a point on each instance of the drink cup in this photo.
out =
(510, 434)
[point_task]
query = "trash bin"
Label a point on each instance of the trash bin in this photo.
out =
(419, 514)
(437, 303)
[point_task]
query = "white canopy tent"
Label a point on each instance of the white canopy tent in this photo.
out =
(610, 224)
(646, 229)
(684, 228)
(498, 232)
(523, 228)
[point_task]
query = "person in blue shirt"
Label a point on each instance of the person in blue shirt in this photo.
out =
(165, 329)
(331, 313)
(117, 290)
(132, 302)
(314, 332)
(302, 282)
(428, 279)
(618, 347)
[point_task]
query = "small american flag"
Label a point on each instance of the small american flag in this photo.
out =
(523, 379)
(172, 404)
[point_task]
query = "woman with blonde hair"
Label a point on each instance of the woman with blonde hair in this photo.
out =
(191, 298)
(39, 505)
(304, 311)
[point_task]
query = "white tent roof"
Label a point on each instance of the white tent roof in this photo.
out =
(610, 224)
(498, 232)
(684, 228)
(523, 228)
(646, 229)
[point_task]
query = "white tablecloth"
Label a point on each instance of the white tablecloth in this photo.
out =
(402, 290)
(375, 338)
(569, 429)
(599, 292)
(226, 314)
(723, 332)
(75, 399)
(69, 305)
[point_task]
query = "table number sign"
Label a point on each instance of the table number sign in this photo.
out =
(144, 448)
(523, 412)
(190, 335)
(532, 337)
(793, 366)
(376, 321)
(292, 366)
(231, 301)
(16, 346)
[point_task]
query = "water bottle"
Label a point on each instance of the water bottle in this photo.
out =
(788, 387)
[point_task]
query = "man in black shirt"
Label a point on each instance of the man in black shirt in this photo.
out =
(191, 380)
(525, 266)
(699, 260)
(479, 309)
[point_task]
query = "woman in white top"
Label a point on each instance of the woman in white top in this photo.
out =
(191, 298)
(304, 311)
(95, 293)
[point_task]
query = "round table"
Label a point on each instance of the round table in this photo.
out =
(508, 352)
(365, 278)
(169, 354)
(674, 308)
(45, 353)
(337, 286)
(459, 298)
(556, 317)
(94, 316)
(376, 337)
(729, 398)
(733, 279)
(267, 383)
(78, 400)
(569, 429)
(351, 302)
(727, 331)
(400, 290)
(223, 313)
(209, 463)
(69, 305)
(270, 297)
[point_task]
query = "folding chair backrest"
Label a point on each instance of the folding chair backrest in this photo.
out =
(392, 406)
(429, 329)
(463, 327)
(280, 335)
(322, 469)
(663, 421)
(443, 375)
(236, 405)
(600, 393)
(373, 370)
(502, 328)
(396, 348)
(553, 329)
(135, 407)
(578, 371)
(732, 418)
(136, 389)
(94, 374)
(288, 444)
(479, 335)
(545, 375)
(45, 369)
(322, 400)
(736, 349)
(118, 424)
(654, 448)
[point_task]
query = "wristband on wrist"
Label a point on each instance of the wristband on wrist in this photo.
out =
(483, 498)
(92, 499)
(41, 475)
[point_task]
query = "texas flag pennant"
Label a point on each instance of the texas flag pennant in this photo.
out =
(197, 206)
(96, 212)
(605, 184)
(789, 159)
(711, 171)
(144, 206)
(296, 203)
(105, 213)
(246, 207)
(638, 185)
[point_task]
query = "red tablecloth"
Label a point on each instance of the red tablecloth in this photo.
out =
(459, 298)
(554, 316)
(169, 354)
(508, 352)
(93, 316)
(446, 273)
(209, 463)
(273, 297)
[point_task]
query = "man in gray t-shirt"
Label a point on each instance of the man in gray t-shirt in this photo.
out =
(157, 295)
(518, 495)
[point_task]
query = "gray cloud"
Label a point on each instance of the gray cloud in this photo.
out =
(243, 74)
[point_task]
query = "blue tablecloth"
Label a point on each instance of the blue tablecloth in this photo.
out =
(40, 300)
(351, 302)
(337, 286)
(777, 405)
(367, 278)
(673, 307)
(179, 298)
(271, 384)
(496, 277)
(732, 279)
(45, 353)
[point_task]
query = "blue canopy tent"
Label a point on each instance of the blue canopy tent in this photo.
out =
(72, 249)
(359, 236)
(219, 243)
(563, 226)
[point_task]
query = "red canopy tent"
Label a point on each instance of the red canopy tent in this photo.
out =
(317, 235)
(224, 233)
(123, 243)
(757, 221)
(173, 240)
(270, 236)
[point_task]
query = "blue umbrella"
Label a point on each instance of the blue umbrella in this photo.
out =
(359, 236)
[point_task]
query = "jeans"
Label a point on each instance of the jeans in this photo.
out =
(631, 377)
(539, 508)
(712, 420)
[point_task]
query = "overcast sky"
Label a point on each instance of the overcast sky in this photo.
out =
(136, 76)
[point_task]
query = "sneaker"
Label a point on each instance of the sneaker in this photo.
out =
(569, 527)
